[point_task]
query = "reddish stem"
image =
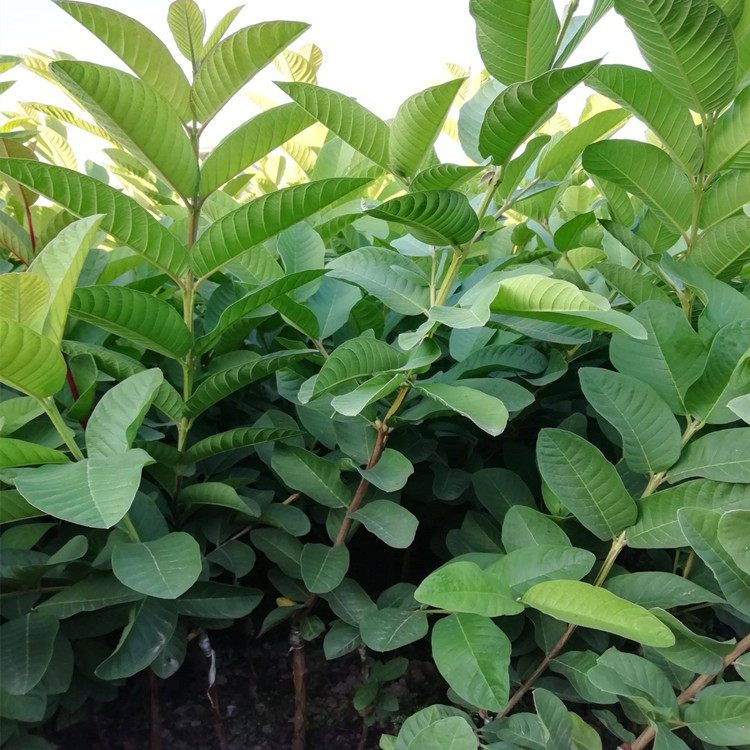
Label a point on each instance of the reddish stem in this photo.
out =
(73, 389)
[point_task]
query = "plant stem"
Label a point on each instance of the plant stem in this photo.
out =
(50, 408)
(299, 671)
(687, 695)
(568, 17)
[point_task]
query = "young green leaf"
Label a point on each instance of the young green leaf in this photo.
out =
(14, 452)
(24, 298)
(188, 27)
(582, 604)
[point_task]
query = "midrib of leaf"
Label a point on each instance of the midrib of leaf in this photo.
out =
(480, 671)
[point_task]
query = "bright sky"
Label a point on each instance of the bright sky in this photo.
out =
(380, 52)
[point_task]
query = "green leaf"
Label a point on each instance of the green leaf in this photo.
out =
(218, 494)
(389, 629)
(726, 375)
(443, 177)
(323, 567)
(724, 248)
(390, 473)
(688, 44)
(229, 65)
(517, 40)
(265, 293)
(521, 108)
(651, 436)
(417, 125)
(240, 437)
(251, 141)
(641, 92)
(220, 29)
(310, 474)
(582, 604)
(24, 298)
(701, 529)
(734, 535)
(15, 452)
(390, 277)
(464, 587)
(29, 362)
(218, 600)
(655, 588)
(26, 645)
(648, 173)
(725, 197)
(15, 508)
(149, 628)
(264, 217)
(390, 522)
(557, 301)
(138, 316)
(730, 141)
(96, 492)
(633, 285)
(165, 568)
(473, 655)
(138, 117)
(723, 456)
(670, 360)
(524, 525)
(437, 217)
(139, 48)
(123, 218)
(487, 412)
(719, 719)
(377, 387)
(225, 382)
(523, 568)
(14, 238)
(88, 595)
(657, 525)
(344, 116)
(60, 263)
(585, 482)
(188, 27)
(114, 422)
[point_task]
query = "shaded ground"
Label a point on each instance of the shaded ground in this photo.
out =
(256, 698)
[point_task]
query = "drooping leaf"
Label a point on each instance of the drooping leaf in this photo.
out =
(164, 568)
(581, 603)
(585, 482)
(651, 438)
(688, 44)
(417, 125)
(250, 142)
(519, 110)
(229, 65)
(516, 40)
(264, 217)
(85, 196)
(136, 315)
(138, 117)
(96, 492)
(139, 48)
(473, 655)
(344, 116)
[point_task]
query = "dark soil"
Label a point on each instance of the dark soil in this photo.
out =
(256, 700)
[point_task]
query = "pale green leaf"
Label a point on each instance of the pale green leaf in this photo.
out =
(14, 452)
(24, 298)
(724, 248)
(487, 412)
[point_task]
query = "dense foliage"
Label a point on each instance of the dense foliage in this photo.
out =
(243, 380)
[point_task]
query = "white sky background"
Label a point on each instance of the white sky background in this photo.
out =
(380, 52)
